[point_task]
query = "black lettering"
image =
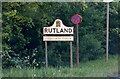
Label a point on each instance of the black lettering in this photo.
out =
(65, 30)
(61, 31)
(54, 30)
(57, 31)
(46, 31)
(70, 30)
(50, 30)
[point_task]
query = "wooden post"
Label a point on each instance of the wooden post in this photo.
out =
(71, 55)
(77, 45)
(107, 32)
(46, 55)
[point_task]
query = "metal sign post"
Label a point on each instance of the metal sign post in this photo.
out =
(71, 55)
(77, 45)
(107, 33)
(107, 29)
(46, 55)
(76, 19)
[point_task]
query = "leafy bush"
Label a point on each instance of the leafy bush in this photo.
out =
(90, 47)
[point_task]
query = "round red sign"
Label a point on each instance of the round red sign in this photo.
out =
(76, 19)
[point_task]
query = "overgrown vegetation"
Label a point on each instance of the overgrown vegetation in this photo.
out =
(22, 32)
(97, 68)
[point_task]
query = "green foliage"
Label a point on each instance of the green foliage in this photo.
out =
(90, 47)
(97, 68)
(114, 29)
(22, 32)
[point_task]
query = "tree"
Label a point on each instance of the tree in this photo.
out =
(23, 24)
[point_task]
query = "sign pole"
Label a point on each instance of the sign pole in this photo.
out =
(107, 32)
(76, 19)
(77, 45)
(46, 55)
(71, 55)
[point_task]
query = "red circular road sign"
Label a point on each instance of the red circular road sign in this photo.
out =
(76, 19)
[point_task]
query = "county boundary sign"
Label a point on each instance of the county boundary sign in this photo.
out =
(58, 32)
(58, 29)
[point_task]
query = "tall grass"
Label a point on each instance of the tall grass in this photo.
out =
(0, 73)
(97, 68)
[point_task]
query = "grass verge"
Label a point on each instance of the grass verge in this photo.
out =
(97, 68)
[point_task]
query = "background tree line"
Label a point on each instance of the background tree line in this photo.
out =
(22, 32)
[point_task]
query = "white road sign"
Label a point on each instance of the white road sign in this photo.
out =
(107, 0)
(58, 38)
(58, 28)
